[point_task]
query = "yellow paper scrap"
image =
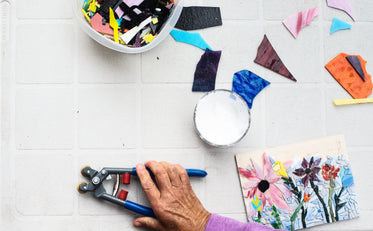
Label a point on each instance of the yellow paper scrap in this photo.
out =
(86, 16)
(92, 6)
(114, 24)
(341, 102)
(148, 38)
(154, 20)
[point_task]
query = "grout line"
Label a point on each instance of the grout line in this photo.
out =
(12, 107)
(139, 118)
(324, 105)
(75, 86)
(44, 20)
(264, 100)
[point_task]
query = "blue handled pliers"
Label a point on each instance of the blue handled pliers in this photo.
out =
(97, 177)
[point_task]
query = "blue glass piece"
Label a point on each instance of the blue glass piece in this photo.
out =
(119, 21)
(271, 159)
(338, 24)
(248, 85)
(347, 179)
(194, 39)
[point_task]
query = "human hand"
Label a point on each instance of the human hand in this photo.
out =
(174, 203)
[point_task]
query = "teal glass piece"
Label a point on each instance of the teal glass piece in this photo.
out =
(338, 24)
(194, 39)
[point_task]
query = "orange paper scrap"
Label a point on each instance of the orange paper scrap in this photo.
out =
(349, 79)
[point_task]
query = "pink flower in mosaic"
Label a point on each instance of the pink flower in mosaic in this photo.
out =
(264, 183)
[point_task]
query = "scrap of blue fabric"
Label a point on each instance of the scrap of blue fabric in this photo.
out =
(248, 85)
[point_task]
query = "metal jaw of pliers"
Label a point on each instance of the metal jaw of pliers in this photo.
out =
(98, 177)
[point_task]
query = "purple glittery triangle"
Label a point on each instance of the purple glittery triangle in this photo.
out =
(356, 64)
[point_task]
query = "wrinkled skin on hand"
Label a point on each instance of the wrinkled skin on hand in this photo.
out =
(174, 203)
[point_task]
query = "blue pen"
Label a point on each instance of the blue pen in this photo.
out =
(96, 186)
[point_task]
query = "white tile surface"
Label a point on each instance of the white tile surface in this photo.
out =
(44, 192)
(279, 10)
(43, 9)
(290, 118)
(167, 116)
(44, 118)
(107, 117)
(255, 137)
(94, 66)
(50, 59)
(346, 120)
(222, 186)
(69, 102)
(235, 9)
(363, 182)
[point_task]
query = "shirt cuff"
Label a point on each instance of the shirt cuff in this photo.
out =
(220, 223)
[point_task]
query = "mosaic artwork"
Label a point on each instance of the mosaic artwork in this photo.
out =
(298, 186)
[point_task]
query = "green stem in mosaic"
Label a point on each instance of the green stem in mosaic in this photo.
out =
(259, 217)
(294, 216)
(277, 217)
(316, 190)
(331, 191)
(298, 194)
(338, 204)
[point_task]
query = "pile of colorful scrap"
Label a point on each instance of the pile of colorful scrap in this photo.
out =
(134, 23)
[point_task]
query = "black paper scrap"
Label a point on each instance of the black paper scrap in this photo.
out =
(105, 5)
(207, 68)
(199, 17)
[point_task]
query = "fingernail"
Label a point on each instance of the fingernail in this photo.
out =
(140, 167)
(137, 223)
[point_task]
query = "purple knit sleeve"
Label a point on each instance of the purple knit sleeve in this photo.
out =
(219, 223)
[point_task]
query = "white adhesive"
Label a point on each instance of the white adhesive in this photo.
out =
(222, 118)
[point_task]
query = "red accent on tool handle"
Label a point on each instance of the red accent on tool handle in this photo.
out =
(123, 195)
(126, 178)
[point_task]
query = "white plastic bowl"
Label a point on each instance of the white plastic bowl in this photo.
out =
(221, 118)
(166, 29)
